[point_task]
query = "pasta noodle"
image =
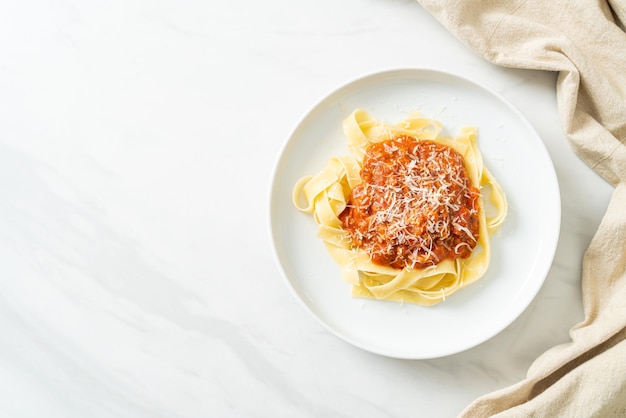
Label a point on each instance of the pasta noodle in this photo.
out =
(424, 279)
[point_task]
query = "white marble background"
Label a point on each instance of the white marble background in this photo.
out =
(137, 140)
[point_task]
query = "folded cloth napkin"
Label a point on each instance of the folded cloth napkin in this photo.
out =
(585, 42)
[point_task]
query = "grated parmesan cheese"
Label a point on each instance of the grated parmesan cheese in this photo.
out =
(416, 205)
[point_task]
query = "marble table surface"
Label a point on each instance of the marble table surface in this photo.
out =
(137, 279)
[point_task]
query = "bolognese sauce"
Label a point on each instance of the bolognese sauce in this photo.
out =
(415, 206)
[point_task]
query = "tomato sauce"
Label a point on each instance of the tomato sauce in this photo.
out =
(415, 206)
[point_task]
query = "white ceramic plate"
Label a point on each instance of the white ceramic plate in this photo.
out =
(522, 251)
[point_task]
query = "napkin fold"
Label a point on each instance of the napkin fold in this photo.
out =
(585, 42)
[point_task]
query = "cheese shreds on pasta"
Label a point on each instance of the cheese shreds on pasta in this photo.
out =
(403, 215)
(415, 205)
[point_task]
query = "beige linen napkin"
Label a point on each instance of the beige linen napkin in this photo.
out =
(584, 41)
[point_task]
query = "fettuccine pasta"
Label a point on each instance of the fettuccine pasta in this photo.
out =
(396, 233)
